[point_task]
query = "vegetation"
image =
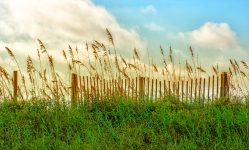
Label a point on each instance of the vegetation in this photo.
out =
(122, 124)
(40, 78)
(36, 113)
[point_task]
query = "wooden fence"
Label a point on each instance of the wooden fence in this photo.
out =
(85, 88)
(142, 88)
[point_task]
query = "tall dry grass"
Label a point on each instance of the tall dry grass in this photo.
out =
(42, 81)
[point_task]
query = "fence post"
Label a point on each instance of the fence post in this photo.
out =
(224, 88)
(74, 85)
(141, 87)
(15, 85)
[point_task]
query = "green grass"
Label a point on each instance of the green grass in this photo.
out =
(122, 124)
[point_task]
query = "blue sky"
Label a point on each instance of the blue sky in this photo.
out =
(181, 15)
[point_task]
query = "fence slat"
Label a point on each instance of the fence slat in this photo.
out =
(204, 85)
(182, 90)
(156, 90)
(226, 84)
(141, 88)
(169, 92)
(87, 87)
(97, 88)
(187, 91)
(217, 88)
(132, 88)
(208, 88)
(15, 85)
(224, 87)
(84, 87)
(148, 88)
(164, 88)
(129, 86)
(213, 88)
(195, 88)
(104, 89)
(101, 89)
(173, 88)
(80, 89)
(178, 90)
(74, 86)
(108, 89)
(136, 89)
(191, 90)
(200, 88)
(125, 87)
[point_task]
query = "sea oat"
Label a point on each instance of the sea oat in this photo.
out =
(110, 36)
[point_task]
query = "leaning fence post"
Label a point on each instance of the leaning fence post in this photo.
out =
(15, 85)
(224, 89)
(74, 85)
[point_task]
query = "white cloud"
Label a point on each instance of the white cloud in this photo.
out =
(150, 9)
(154, 27)
(59, 23)
(214, 43)
(211, 35)
(216, 35)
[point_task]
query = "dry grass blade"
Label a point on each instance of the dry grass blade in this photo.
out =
(234, 66)
(4, 73)
(77, 61)
(124, 61)
(92, 67)
(171, 54)
(243, 74)
(124, 73)
(201, 69)
(42, 46)
(117, 64)
(50, 59)
(10, 52)
(109, 36)
(38, 54)
(71, 51)
(191, 51)
(189, 68)
(76, 49)
(154, 67)
(64, 54)
(30, 65)
(136, 54)
(237, 65)
(132, 66)
(230, 71)
(98, 44)
(215, 70)
(87, 47)
(245, 64)
(161, 50)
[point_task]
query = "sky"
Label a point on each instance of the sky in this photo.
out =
(180, 15)
(210, 26)
(217, 30)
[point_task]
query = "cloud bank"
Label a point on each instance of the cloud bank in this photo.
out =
(215, 35)
(59, 23)
(218, 36)
(214, 43)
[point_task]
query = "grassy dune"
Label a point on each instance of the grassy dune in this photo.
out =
(124, 124)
